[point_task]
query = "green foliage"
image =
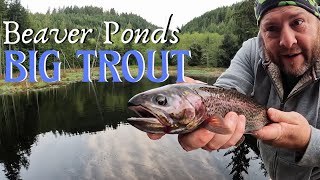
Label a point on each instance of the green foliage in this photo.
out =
(209, 43)
(236, 23)
(245, 21)
(213, 38)
(228, 48)
(238, 19)
(16, 12)
(3, 8)
(196, 51)
(218, 20)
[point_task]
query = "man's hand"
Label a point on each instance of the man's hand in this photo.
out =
(290, 130)
(207, 140)
(154, 136)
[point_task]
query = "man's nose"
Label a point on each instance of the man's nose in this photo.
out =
(288, 37)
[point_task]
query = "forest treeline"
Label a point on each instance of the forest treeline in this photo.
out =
(213, 38)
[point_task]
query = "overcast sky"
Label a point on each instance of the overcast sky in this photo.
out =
(156, 12)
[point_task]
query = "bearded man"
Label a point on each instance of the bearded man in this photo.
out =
(280, 68)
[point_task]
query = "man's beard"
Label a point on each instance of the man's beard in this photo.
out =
(308, 61)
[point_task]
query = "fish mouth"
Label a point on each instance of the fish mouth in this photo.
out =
(148, 121)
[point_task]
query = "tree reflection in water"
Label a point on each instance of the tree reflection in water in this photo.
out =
(71, 110)
(239, 159)
(76, 109)
(17, 135)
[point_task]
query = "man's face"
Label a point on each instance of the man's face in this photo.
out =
(291, 37)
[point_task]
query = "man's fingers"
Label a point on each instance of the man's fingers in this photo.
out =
(238, 133)
(224, 125)
(276, 115)
(231, 127)
(269, 133)
(154, 136)
(217, 142)
(195, 140)
(236, 126)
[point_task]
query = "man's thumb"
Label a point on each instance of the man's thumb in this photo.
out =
(276, 115)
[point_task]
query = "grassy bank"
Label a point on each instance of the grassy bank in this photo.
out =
(76, 75)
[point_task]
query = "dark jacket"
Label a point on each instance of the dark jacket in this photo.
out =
(252, 75)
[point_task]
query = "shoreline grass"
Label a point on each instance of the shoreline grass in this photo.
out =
(76, 75)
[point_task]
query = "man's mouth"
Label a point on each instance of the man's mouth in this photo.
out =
(291, 55)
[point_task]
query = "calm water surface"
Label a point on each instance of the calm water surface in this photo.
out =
(80, 132)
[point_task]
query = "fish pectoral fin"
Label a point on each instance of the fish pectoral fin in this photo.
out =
(216, 124)
(241, 140)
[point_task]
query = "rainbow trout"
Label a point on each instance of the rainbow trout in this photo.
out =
(182, 108)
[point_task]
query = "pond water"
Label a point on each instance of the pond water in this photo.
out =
(80, 132)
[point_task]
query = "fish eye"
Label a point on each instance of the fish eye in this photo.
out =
(161, 100)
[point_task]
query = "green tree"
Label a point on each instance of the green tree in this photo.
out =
(16, 12)
(196, 54)
(3, 8)
(245, 21)
(228, 49)
(113, 12)
(3, 15)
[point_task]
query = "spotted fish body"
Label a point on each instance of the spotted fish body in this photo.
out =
(182, 108)
(220, 101)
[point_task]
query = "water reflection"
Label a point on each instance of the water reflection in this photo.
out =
(79, 132)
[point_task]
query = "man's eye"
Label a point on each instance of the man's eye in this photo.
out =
(297, 22)
(272, 29)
